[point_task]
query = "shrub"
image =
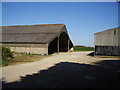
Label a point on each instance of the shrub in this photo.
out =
(5, 55)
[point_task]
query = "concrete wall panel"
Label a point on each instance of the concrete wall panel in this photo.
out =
(107, 38)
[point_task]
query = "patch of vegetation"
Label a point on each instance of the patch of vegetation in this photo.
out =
(83, 48)
(26, 54)
(24, 59)
(5, 55)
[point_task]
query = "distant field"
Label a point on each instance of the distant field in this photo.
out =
(83, 48)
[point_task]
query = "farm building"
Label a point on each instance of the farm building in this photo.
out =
(37, 39)
(108, 42)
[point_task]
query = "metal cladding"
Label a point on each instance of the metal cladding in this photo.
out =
(108, 42)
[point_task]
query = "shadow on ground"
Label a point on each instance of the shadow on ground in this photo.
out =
(91, 54)
(72, 75)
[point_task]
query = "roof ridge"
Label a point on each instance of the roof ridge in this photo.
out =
(33, 25)
(108, 30)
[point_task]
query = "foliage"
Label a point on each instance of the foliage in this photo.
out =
(5, 54)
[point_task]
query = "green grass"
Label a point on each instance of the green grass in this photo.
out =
(26, 54)
(83, 48)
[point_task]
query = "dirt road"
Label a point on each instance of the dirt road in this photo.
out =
(72, 62)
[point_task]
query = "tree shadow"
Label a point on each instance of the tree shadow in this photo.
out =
(71, 75)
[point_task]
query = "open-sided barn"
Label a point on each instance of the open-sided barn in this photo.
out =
(37, 39)
(108, 42)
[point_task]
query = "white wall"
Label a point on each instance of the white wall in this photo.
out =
(108, 37)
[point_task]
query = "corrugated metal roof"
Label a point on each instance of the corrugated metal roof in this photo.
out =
(32, 33)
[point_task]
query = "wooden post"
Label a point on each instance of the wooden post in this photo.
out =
(58, 45)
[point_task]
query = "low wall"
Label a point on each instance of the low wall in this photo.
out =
(29, 48)
(107, 50)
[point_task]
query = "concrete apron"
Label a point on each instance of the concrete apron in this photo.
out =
(15, 72)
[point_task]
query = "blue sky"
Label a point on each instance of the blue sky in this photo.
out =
(82, 19)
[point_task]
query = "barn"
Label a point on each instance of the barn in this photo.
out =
(41, 39)
(108, 42)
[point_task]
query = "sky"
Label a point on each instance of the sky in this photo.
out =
(59, 0)
(82, 19)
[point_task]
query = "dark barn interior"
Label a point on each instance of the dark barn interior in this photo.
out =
(53, 46)
(61, 44)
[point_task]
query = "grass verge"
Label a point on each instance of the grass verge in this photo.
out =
(20, 59)
(83, 48)
(24, 59)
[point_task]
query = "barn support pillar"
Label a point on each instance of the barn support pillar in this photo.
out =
(68, 44)
(58, 45)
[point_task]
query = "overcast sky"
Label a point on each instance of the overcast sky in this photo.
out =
(82, 19)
